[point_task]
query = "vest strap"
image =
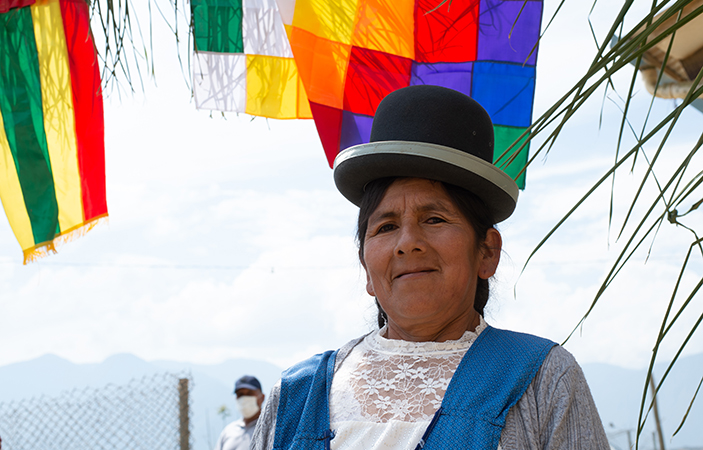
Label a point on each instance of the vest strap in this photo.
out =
(303, 418)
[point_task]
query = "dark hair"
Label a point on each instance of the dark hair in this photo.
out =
(470, 206)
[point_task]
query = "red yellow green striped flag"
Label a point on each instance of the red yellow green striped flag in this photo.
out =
(52, 144)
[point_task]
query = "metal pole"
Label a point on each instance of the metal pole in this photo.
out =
(656, 413)
(183, 414)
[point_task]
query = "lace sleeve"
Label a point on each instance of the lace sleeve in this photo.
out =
(266, 425)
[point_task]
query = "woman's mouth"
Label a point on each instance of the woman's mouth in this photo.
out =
(413, 273)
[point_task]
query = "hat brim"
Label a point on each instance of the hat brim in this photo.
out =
(356, 166)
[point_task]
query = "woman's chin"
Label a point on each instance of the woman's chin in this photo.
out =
(416, 315)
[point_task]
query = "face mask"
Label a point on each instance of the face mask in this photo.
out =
(248, 405)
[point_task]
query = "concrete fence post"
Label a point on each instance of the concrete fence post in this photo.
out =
(183, 414)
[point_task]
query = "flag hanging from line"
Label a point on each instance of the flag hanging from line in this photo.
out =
(52, 145)
(243, 61)
(349, 54)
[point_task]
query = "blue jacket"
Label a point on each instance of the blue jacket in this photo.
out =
(491, 378)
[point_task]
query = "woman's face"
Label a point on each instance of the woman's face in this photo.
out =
(422, 259)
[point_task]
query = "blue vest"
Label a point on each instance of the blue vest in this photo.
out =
(491, 378)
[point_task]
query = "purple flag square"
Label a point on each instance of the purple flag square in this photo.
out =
(496, 20)
(455, 76)
(356, 129)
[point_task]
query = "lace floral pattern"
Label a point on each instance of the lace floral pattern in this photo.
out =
(386, 380)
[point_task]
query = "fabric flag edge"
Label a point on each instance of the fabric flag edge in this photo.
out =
(44, 249)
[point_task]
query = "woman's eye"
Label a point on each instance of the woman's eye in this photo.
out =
(434, 220)
(385, 228)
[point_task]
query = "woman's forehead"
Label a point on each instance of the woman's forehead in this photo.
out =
(417, 194)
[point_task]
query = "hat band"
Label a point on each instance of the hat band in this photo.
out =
(442, 153)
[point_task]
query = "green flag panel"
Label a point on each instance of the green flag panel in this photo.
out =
(504, 137)
(23, 117)
(217, 25)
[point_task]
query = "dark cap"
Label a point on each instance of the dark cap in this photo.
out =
(247, 382)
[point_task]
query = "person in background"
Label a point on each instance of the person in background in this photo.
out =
(237, 435)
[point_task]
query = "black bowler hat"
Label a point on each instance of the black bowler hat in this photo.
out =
(429, 132)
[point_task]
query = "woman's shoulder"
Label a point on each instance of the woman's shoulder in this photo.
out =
(560, 389)
(559, 376)
(559, 363)
(560, 358)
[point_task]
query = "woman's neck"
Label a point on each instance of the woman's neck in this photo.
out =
(432, 333)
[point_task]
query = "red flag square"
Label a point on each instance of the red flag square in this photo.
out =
(371, 76)
(447, 34)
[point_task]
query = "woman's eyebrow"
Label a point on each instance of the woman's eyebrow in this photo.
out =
(386, 215)
(434, 206)
(427, 207)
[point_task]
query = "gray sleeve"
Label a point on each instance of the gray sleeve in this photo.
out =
(266, 425)
(557, 410)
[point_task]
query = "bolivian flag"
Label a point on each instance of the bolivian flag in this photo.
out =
(52, 146)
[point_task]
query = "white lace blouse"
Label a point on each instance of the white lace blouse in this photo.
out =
(386, 391)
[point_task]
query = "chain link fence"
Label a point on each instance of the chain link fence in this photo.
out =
(150, 413)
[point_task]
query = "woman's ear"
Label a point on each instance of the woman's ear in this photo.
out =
(369, 286)
(490, 254)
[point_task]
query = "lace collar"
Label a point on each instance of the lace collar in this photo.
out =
(379, 343)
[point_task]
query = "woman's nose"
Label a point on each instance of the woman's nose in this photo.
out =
(410, 239)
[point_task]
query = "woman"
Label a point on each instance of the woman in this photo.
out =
(434, 375)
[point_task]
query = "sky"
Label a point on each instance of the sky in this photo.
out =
(227, 237)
